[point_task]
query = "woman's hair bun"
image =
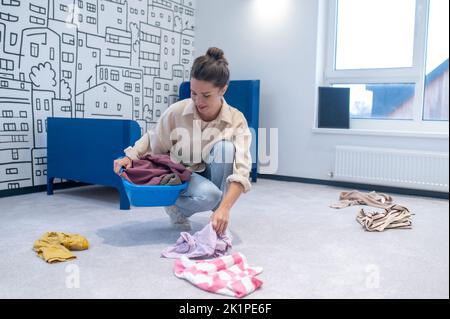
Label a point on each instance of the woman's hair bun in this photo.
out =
(215, 53)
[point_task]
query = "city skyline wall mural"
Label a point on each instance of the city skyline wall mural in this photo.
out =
(108, 59)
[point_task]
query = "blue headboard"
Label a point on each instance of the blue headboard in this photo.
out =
(243, 95)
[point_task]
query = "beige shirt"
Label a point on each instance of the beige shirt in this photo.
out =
(181, 132)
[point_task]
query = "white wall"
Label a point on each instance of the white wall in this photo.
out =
(284, 56)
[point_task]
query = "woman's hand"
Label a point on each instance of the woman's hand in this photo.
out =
(123, 162)
(220, 220)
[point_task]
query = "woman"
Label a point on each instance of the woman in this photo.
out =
(209, 137)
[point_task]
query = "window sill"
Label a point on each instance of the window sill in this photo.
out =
(360, 132)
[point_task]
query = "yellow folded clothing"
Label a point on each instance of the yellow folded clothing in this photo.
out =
(55, 246)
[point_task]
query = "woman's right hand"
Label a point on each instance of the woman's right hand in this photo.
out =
(123, 162)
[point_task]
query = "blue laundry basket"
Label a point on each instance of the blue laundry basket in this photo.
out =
(153, 195)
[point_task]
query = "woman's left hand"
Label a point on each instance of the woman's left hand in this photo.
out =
(220, 220)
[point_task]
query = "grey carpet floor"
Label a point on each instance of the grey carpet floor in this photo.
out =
(307, 250)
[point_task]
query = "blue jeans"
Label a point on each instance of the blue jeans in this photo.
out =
(206, 189)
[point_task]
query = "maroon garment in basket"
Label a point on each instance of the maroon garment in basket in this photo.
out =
(151, 169)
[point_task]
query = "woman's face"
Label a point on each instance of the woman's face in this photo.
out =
(207, 98)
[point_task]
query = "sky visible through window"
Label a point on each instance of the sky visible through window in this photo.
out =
(380, 34)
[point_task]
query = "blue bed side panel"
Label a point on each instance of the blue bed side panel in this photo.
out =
(84, 150)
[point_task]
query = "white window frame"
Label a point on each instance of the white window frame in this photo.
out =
(415, 74)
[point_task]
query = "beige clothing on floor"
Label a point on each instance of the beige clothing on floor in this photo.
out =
(180, 128)
(374, 199)
(395, 216)
(54, 246)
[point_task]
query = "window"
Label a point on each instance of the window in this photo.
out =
(24, 126)
(12, 3)
(9, 127)
(15, 154)
(67, 74)
(91, 20)
(52, 54)
(37, 9)
(119, 107)
(38, 104)
(37, 20)
(8, 17)
(68, 57)
(436, 79)
(7, 113)
(13, 38)
(128, 87)
(396, 70)
(91, 7)
(137, 88)
(97, 104)
(63, 8)
(12, 171)
(39, 126)
(68, 39)
(6, 64)
(13, 185)
(34, 49)
(114, 75)
(46, 105)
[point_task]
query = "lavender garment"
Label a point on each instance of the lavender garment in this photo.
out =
(203, 244)
(153, 169)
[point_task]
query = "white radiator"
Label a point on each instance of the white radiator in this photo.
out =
(392, 167)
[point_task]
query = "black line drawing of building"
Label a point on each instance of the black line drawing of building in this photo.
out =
(62, 57)
(104, 101)
(16, 134)
(113, 13)
(42, 109)
(88, 59)
(131, 79)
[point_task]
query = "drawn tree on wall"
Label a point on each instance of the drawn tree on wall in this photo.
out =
(134, 29)
(66, 91)
(43, 77)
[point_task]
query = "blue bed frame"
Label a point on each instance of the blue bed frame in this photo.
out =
(84, 150)
(243, 95)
